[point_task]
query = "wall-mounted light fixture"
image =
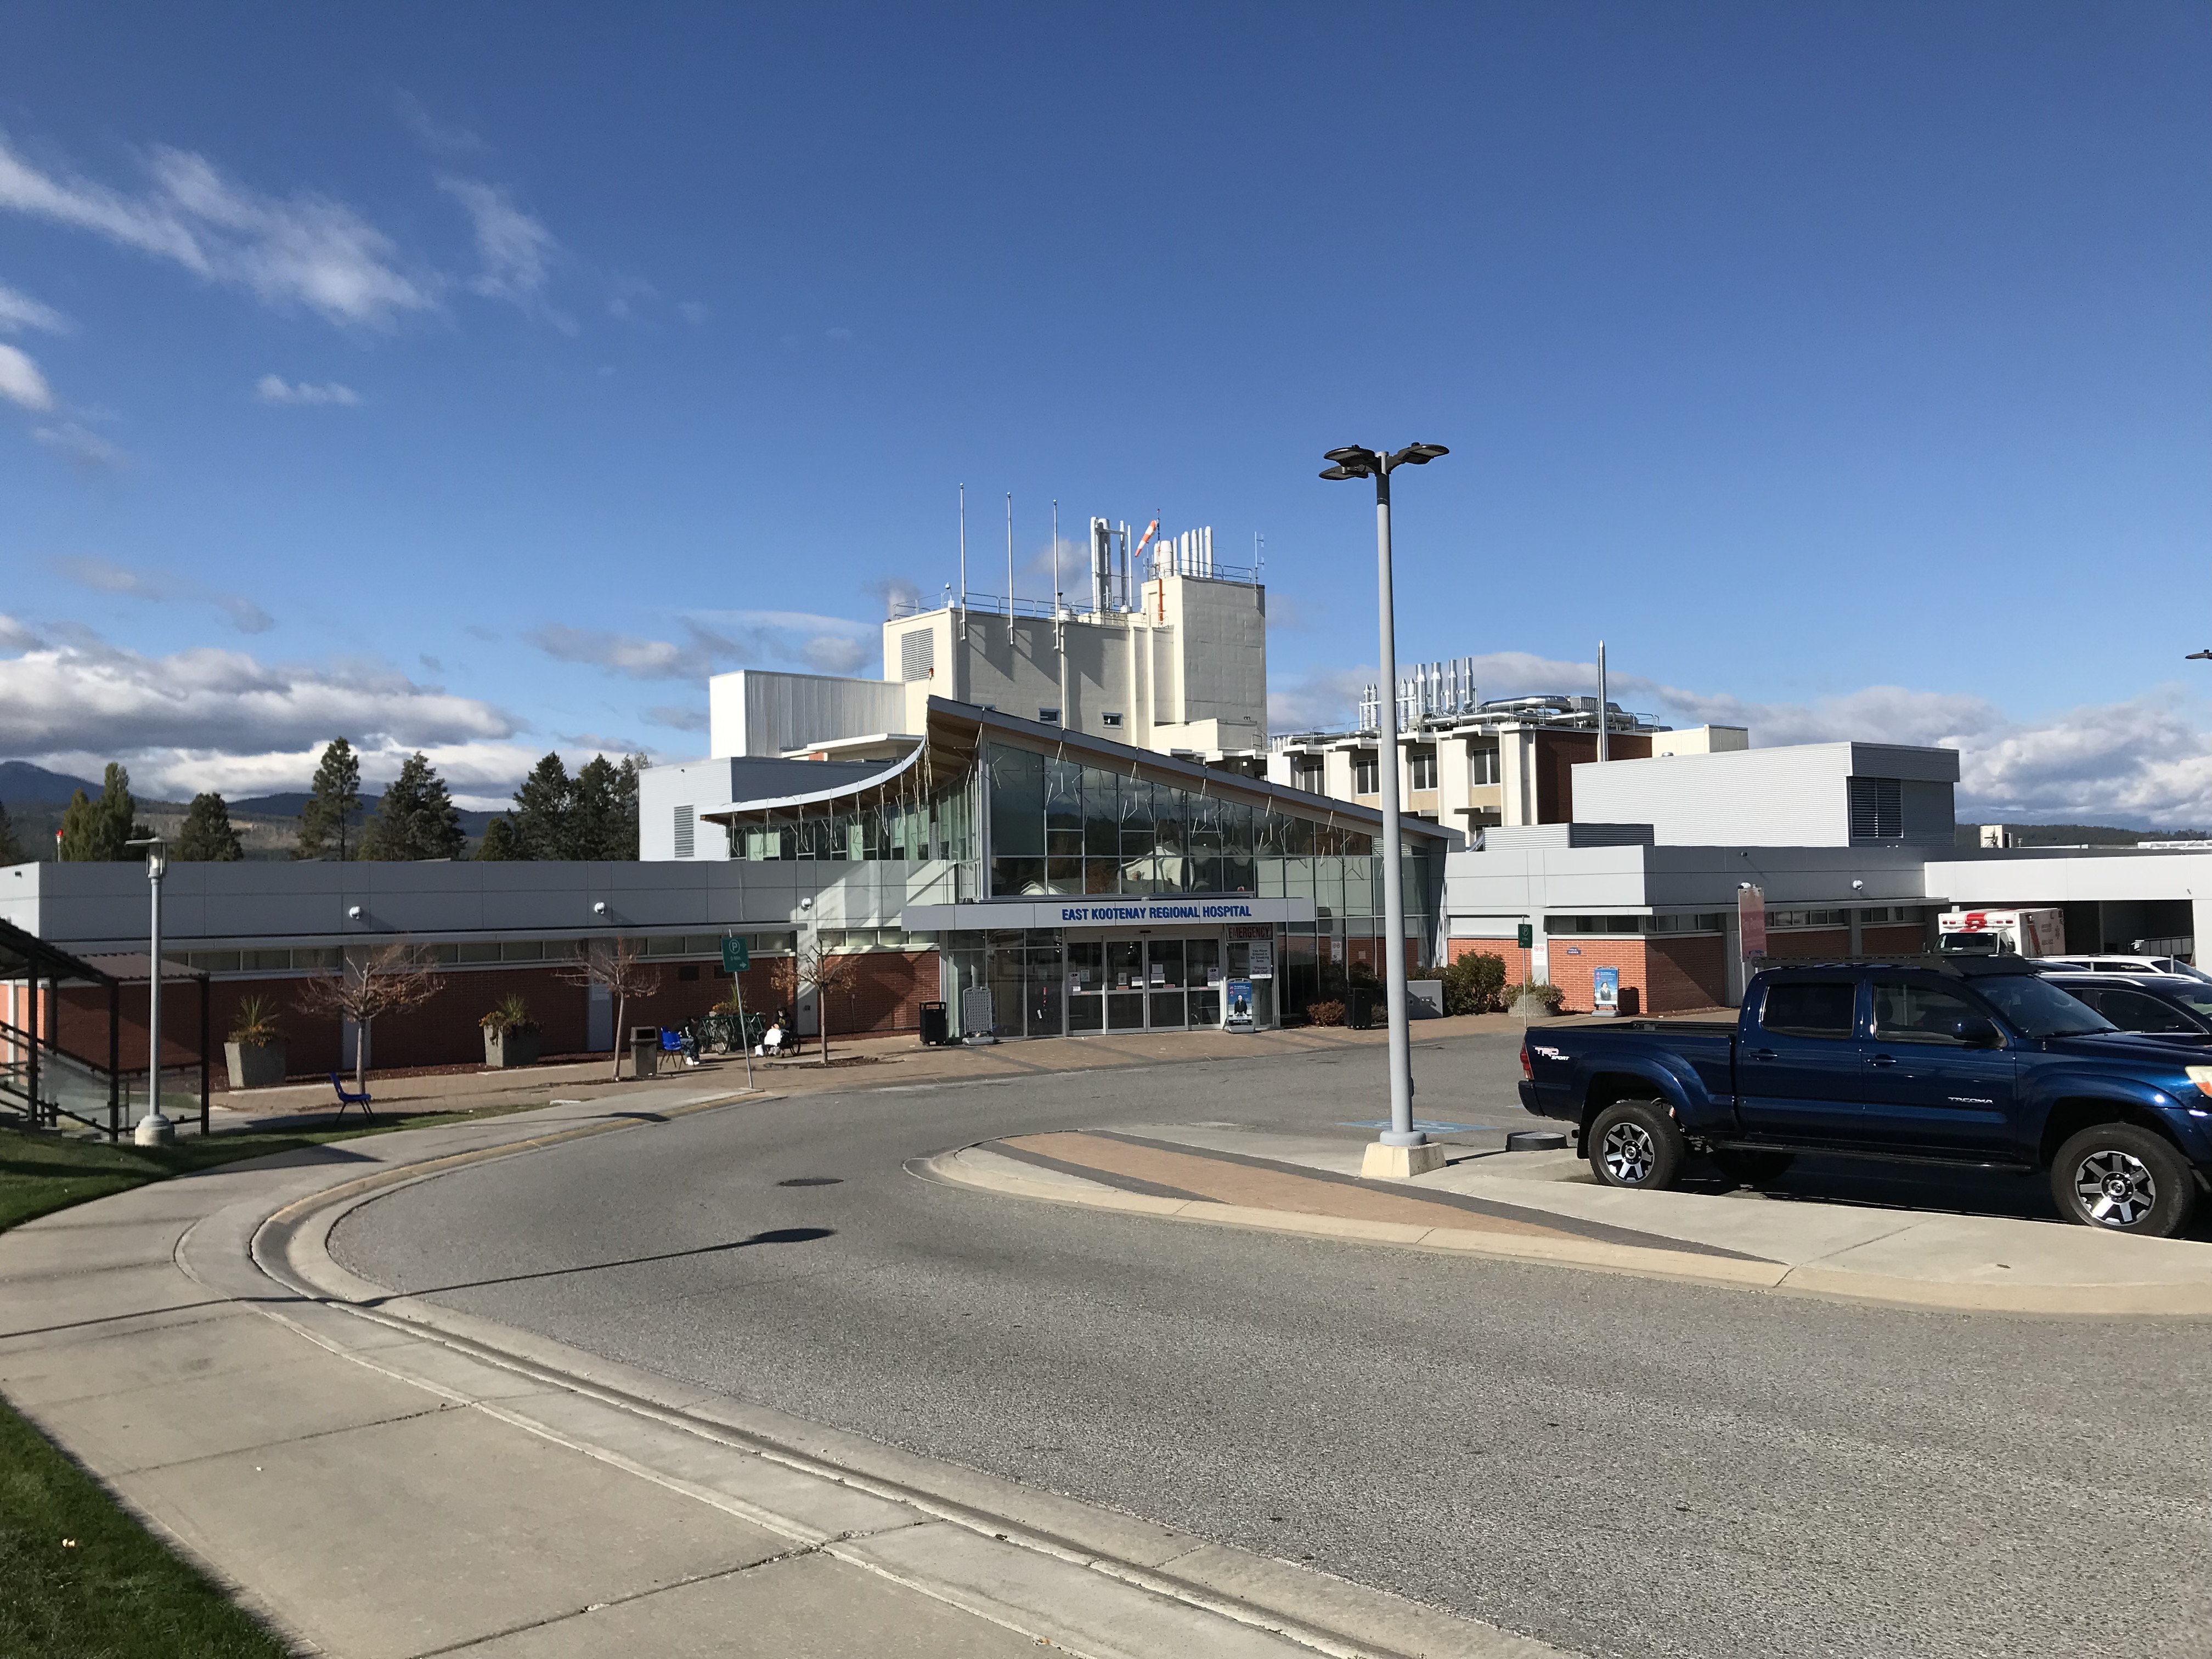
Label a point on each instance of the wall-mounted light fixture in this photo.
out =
(353, 912)
(599, 908)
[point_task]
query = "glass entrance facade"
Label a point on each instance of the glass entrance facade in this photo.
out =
(1045, 984)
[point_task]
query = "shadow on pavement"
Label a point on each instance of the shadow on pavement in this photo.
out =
(772, 1235)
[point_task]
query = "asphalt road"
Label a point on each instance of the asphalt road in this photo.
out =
(1619, 1465)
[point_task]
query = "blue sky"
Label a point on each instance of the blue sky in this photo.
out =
(479, 379)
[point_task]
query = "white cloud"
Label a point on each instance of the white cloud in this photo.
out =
(20, 381)
(69, 691)
(273, 389)
(679, 718)
(434, 134)
(86, 448)
(821, 644)
(304, 249)
(512, 248)
(694, 313)
(2144, 763)
(19, 310)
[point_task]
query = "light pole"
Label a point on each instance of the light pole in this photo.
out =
(154, 1129)
(1400, 1150)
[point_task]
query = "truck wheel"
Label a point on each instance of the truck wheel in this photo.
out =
(2124, 1179)
(1635, 1142)
(1751, 1169)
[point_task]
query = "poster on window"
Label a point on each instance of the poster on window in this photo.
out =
(1263, 960)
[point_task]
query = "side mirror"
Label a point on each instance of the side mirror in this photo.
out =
(1976, 1033)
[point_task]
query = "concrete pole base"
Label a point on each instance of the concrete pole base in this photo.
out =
(154, 1130)
(1398, 1162)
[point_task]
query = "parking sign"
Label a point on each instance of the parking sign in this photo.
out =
(737, 955)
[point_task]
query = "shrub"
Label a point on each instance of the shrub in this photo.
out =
(1546, 993)
(1325, 1013)
(513, 1014)
(257, 1024)
(1474, 985)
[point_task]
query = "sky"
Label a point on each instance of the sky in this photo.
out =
(479, 379)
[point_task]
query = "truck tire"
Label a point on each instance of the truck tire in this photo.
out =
(2124, 1180)
(1636, 1143)
(1750, 1167)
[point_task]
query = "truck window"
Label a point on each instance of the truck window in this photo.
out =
(2138, 1010)
(1813, 1008)
(1906, 1011)
(2037, 1008)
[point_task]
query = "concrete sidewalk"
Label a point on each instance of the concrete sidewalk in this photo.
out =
(887, 1062)
(384, 1477)
(1548, 1206)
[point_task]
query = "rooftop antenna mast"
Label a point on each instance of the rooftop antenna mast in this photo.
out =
(1009, 568)
(963, 562)
(1059, 615)
(1604, 722)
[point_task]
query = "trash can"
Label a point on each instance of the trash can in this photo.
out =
(644, 1050)
(1359, 1008)
(936, 1027)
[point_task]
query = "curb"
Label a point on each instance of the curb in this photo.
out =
(975, 1540)
(1808, 1279)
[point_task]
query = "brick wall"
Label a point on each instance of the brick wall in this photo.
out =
(1686, 972)
(886, 997)
(1906, 939)
(1810, 945)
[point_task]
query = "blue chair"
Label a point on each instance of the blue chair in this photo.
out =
(348, 1097)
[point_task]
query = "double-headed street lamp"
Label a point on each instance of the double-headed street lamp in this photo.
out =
(1400, 1150)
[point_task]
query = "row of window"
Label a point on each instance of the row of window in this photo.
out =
(1706, 922)
(1308, 771)
(939, 829)
(872, 938)
(482, 953)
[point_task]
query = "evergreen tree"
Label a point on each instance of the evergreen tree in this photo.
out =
(327, 826)
(11, 848)
(499, 843)
(95, 831)
(605, 816)
(545, 811)
(208, 836)
(417, 819)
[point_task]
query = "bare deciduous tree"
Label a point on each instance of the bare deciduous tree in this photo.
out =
(389, 980)
(619, 966)
(825, 973)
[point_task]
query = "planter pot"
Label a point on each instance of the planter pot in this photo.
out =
(1530, 1008)
(502, 1049)
(255, 1065)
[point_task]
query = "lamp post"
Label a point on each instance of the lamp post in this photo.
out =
(1401, 1150)
(154, 1129)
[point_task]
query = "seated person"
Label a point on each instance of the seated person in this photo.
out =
(772, 1044)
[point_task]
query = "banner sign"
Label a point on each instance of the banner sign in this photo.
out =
(1750, 920)
(1605, 982)
(1200, 912)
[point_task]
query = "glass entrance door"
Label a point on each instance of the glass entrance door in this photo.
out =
(1167, 1008)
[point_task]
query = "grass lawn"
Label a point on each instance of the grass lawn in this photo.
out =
(79, 1577)
(40, 1173)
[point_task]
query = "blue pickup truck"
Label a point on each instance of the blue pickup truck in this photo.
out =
(1973, 1062)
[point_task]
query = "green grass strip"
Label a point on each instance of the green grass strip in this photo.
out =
(79, 1577)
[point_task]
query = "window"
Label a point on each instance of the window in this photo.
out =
(687, 824)
(1877, 810)
(1366, 775)
(1910, 1010)
(1421, 764)
(1111, 721)
(1306, 772)
(1047, 717)
(1806, 919)
(1810, 1008)
(2138, 1010)
(1482, 762)
(2037, 1008)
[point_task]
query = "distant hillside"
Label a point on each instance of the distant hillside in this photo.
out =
(23, 784)
(268, 825)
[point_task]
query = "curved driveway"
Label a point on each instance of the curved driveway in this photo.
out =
(1618, 1465)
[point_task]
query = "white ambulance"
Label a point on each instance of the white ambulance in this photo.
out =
(2040, 932)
